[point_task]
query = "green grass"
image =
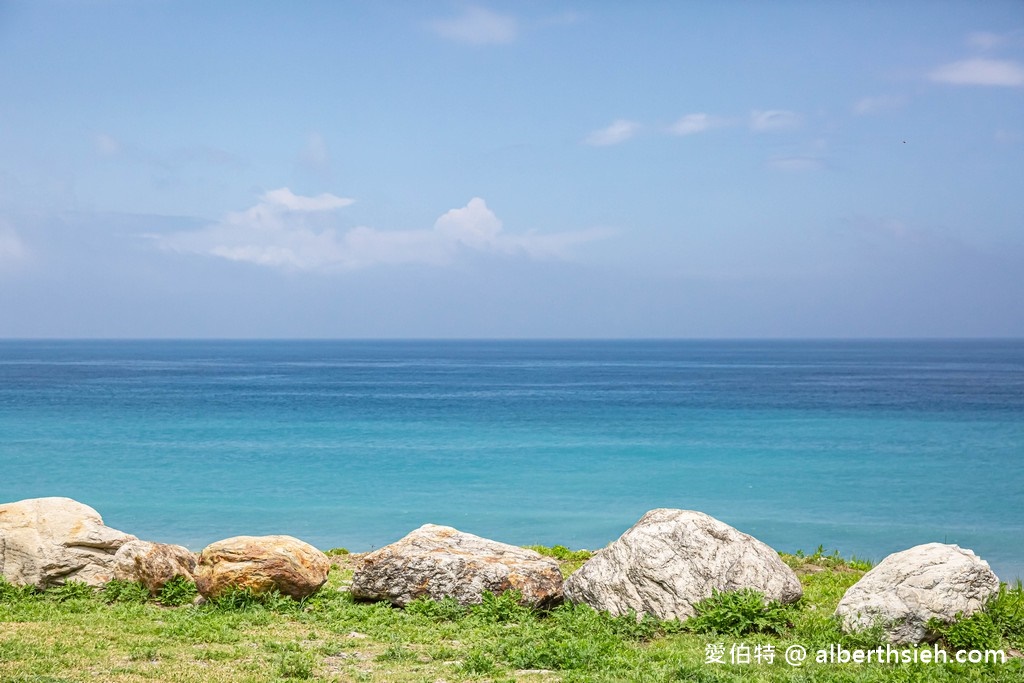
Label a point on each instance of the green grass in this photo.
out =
(120, 634)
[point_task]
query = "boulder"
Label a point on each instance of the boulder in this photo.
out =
(908, 588)
(438, 562)
(153, 564)
(47, 542)
(261, 563)
(672, 559)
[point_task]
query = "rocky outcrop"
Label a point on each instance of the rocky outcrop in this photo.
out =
(672, 559)
(438, 562)
(261, 564)
(153, 564)
(47, 542)
(909, 588)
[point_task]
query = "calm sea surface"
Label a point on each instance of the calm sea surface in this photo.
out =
(864, 447)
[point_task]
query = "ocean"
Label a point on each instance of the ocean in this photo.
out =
(864, 447)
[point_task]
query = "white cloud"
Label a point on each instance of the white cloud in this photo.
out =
(880, 103)
(285, 199)
(774, 119)
(619, 131)
(278, 232)
(985, 40)
(980, 71)
(107, 145)
(12, 249)
(478, 26)
(796, 164)
(315, 154)
(695, 123)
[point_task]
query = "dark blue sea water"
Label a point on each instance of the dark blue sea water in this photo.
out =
(864, 447)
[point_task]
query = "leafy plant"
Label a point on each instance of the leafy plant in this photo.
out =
(445, 609)
(72, 590)
(336, 551)
(478, 662)
(10, 592)
(1007, 611)
(976, 632)
(177, 591)
(1002, 617)
(295, 665)
(502, 608)
(125, 591)
(738, 613)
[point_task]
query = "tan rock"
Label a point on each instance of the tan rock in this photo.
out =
(261, 563)
(47, 542)
(439, 561)
(672, 559)
(153, 564)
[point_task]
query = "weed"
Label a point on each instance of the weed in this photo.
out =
(295, 665)
(12, 593)
(478, 662)
(125, 591)
(72, 590)
(504, 608)
(833, 560)
(445, 609)
(976, 632)
(569, 560)
(178, 591)
(242, 599)
(1007, 611)
(738, 613)
(396, 652)
(560, 552)
(336, 551)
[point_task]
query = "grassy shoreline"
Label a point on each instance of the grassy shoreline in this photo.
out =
(74, 634)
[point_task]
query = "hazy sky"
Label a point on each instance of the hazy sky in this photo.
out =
(511, 169)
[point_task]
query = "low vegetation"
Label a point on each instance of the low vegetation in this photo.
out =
(121, 634)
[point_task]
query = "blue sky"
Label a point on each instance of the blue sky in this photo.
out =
(511, 169)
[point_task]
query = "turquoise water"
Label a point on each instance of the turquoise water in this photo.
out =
(864, 447)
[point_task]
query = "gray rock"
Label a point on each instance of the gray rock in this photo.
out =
(439, 561)
(672, 559)
(908, 588)
(153, 564)
(47, 542)
(261, 564)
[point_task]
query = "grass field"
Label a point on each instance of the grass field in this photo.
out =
(118, 635)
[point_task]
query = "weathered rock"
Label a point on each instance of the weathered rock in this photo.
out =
(261, 563)
(153, 564)
(47, 542)
(439, 561)
(908, 588)
(672, 559)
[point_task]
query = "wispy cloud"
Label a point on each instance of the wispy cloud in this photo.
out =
(315, 155)
(985, 40)
(12, 249)
(878, 104)
(107, 145)
(110, 147)
(692, 124)
(980, 71)
(619, 131)
(281, 231)
(478, 26)
(774, 119)
(797, 164)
